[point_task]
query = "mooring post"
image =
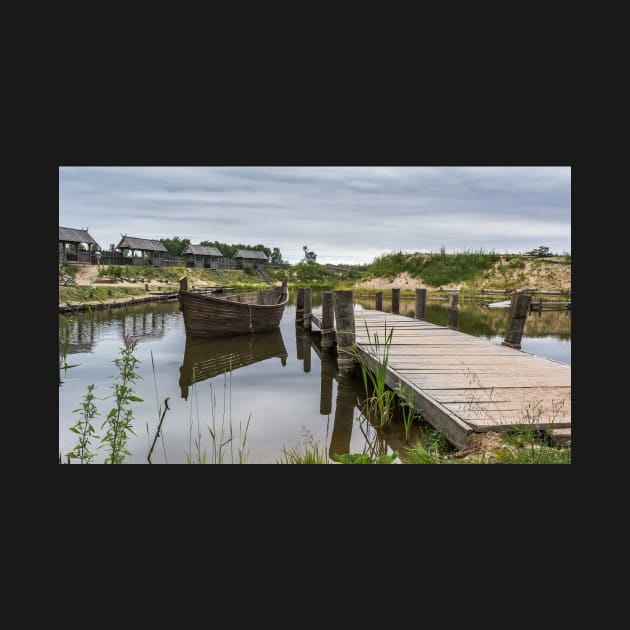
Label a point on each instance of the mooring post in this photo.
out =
(421, 301)
(344, 317)
(328, 368)
(306, 353)
(308, 301)
(146, 288)
(183, 283)
(344, 417)
(379, 301)
(328, 321)
(396, 301)
(516, 322)
(299, 346)
(453, 301)
(299, 306)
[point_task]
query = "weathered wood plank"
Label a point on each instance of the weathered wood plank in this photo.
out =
(461, 383)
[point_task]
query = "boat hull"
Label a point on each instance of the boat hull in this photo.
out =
(239, 314)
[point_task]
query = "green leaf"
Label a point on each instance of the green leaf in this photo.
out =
(352, 458)
(135, 399)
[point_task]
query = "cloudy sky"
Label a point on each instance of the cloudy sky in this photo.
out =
(343, 214)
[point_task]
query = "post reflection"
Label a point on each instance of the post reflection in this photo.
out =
(350, 410)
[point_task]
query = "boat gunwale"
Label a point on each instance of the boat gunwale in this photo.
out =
(223, 300)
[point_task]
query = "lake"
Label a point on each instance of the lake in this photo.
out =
(275, 389)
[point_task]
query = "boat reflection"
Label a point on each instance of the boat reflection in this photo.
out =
(205, 358)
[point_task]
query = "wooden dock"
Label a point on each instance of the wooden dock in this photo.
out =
(463, 384)
(75, 307)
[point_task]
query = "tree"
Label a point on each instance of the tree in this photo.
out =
(276, 256)
(175, 246)
(309, 256)
(539, 251)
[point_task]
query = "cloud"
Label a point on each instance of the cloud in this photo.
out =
(342, 213)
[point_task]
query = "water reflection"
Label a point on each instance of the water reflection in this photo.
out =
(144, 321)
(349, 411)
(205, 358)
(281, 399)
(143, 324)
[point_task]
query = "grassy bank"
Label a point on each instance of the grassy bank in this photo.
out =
(466, 271)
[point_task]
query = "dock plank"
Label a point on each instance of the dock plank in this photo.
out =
(461, 383)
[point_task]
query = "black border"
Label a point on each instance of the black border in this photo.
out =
(458, 132)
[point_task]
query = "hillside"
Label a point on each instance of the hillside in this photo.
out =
(470, 272)
(507, 272)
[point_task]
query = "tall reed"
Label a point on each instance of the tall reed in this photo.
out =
(84, 429)
(380, 399)
(222, 435)
(119, 421)
(64, 342)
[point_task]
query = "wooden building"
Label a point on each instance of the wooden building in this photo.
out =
(202, 256)
(70, 241)
(139, 249)
(255, 256)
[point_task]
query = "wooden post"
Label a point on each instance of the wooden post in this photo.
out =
(453, 301)
(421, 302)
(299, 346)
(344, 417)
(396, 301)
(306, 352)
(328, 367)
(308, 301)
(344, 316)
(516, 323)
(183, 283)
(328, 321)
(146, 288)
(299, 306)
(379, 301)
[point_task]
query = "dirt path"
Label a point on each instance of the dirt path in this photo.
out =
(86, 274)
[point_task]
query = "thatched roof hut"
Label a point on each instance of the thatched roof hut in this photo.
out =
(140, 244)
(251, 255)
(202, 255)
(147, 247)
(70, 241)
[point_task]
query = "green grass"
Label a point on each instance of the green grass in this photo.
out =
(380, 400)
(147, 272)
(529, 446)
(523, 445)
(315, 275)
(303, 454)
(96, 294)
(223, 433)
(434, 269)
(364, 458)
(69, 269)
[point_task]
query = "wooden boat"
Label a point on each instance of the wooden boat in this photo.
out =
(503, 304)
(205, 358)
(209, 315)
